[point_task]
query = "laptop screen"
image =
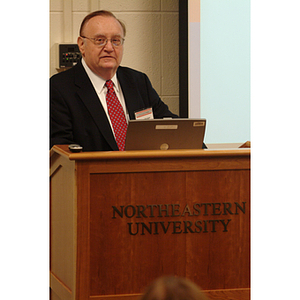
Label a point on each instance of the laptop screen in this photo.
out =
(165, 134)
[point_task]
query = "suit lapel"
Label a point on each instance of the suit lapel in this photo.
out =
(131, 94)
(89, 97)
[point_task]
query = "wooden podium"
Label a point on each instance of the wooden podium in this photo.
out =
(121, 219)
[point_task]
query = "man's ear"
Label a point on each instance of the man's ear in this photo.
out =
(80, 43)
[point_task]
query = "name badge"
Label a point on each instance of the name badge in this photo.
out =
(145, 114)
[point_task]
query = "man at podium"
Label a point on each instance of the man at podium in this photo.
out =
(91, 103)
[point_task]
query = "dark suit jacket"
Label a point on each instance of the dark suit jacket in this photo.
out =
(76, 113)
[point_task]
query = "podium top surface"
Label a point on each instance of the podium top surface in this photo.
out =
(115, 155)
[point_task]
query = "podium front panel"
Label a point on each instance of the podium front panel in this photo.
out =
(190, 224)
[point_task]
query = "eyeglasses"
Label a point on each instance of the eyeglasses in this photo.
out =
(102, 41)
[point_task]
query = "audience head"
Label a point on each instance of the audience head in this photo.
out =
(173, 288)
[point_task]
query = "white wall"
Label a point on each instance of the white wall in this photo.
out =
(151, 42)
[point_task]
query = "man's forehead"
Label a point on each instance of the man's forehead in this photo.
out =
(103, 23)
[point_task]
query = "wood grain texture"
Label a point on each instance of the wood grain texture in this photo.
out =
(206, 254)
(234, 294)
(138, 217)
(62, 208)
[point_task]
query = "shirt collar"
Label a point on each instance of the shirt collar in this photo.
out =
(97, 81)
(116, 83)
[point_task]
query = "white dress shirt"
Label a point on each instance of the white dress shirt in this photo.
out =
(101, 90)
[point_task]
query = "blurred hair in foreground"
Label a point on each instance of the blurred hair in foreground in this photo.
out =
(173, 288)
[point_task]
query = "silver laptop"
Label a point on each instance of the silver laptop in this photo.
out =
(164, 134)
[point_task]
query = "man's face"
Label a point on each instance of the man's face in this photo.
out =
(102, 60)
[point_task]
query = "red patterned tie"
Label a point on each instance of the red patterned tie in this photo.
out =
(116, 114)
